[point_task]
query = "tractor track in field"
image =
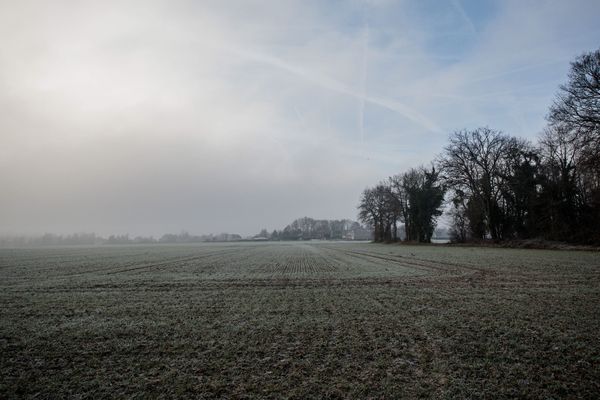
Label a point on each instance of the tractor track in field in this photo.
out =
(174, 262)
(464, 274)
(415, 263)
(136, 265)
(273, 283)
(279, 266)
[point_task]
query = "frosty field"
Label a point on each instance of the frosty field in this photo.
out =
(299, 320)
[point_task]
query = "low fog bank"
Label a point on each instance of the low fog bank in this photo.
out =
(300, 229)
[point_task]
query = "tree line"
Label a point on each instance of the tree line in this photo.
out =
(500, 187)
(304, 228)
(307, 228)
(91, 239)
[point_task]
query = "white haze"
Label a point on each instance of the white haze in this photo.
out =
(229, 116)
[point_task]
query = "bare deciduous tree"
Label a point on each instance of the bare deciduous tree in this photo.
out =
(472, 162)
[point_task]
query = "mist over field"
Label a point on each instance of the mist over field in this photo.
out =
(147, 117)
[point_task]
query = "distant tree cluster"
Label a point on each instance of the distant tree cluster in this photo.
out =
(308, 228)
(185, 237)
(50, 239)
(90, 239)
(500, 187)
(301, 229)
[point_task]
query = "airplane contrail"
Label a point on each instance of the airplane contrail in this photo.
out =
(363, 86)
(336, 86)
(459, 8)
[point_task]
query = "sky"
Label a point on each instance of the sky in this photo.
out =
(147, 117)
